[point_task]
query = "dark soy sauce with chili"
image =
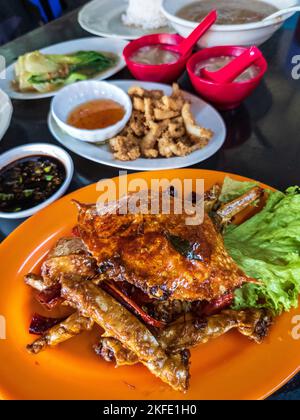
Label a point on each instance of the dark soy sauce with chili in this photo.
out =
(30, 181)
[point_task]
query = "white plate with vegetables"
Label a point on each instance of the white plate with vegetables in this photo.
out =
(42, 73)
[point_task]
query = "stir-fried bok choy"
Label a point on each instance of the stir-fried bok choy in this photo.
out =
(44, 73)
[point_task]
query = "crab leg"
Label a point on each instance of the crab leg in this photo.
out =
(111, 349)
(36, 282)
(211, 197)
(189, 333)
(61, 332)
(121, 324)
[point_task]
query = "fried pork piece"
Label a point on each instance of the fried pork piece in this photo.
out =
(160, 254)
(119, 323)
(164, 114)
(148, 143)
(138, 104)
(176, 128)
(174, 102)
(68, 256)
(160, 125)
(149, 110)
(65, 330)
(191, 127)
(125, 148)
(168, 146)
(148, 146)
(144, 93)
(187, 333)
(136, 124)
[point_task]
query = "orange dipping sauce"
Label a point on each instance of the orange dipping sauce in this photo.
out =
(96, 114)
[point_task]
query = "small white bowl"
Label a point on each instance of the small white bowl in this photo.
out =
(243, 35)
(41, 149)
(78, 93)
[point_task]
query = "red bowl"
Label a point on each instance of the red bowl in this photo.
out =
(163, 73)
(223, 95)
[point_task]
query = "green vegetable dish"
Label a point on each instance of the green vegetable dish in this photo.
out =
(267, 248)
(37, 72)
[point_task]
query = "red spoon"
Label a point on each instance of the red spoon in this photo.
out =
(197, 33)
(233, 69)
(185, 46)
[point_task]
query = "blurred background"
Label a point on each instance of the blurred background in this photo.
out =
(20, 16)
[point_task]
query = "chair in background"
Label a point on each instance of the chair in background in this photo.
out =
(16, 19)
(48, 9)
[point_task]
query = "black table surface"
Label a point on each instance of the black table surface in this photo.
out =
(263, 140)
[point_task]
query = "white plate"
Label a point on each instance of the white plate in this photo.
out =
(115, 46)
(103, 18)
(6, 111)
(204, 114)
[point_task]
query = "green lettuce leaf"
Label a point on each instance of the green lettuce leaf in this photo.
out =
(232, 189)
(267, 248)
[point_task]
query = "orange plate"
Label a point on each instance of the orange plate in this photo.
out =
(230, 367)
